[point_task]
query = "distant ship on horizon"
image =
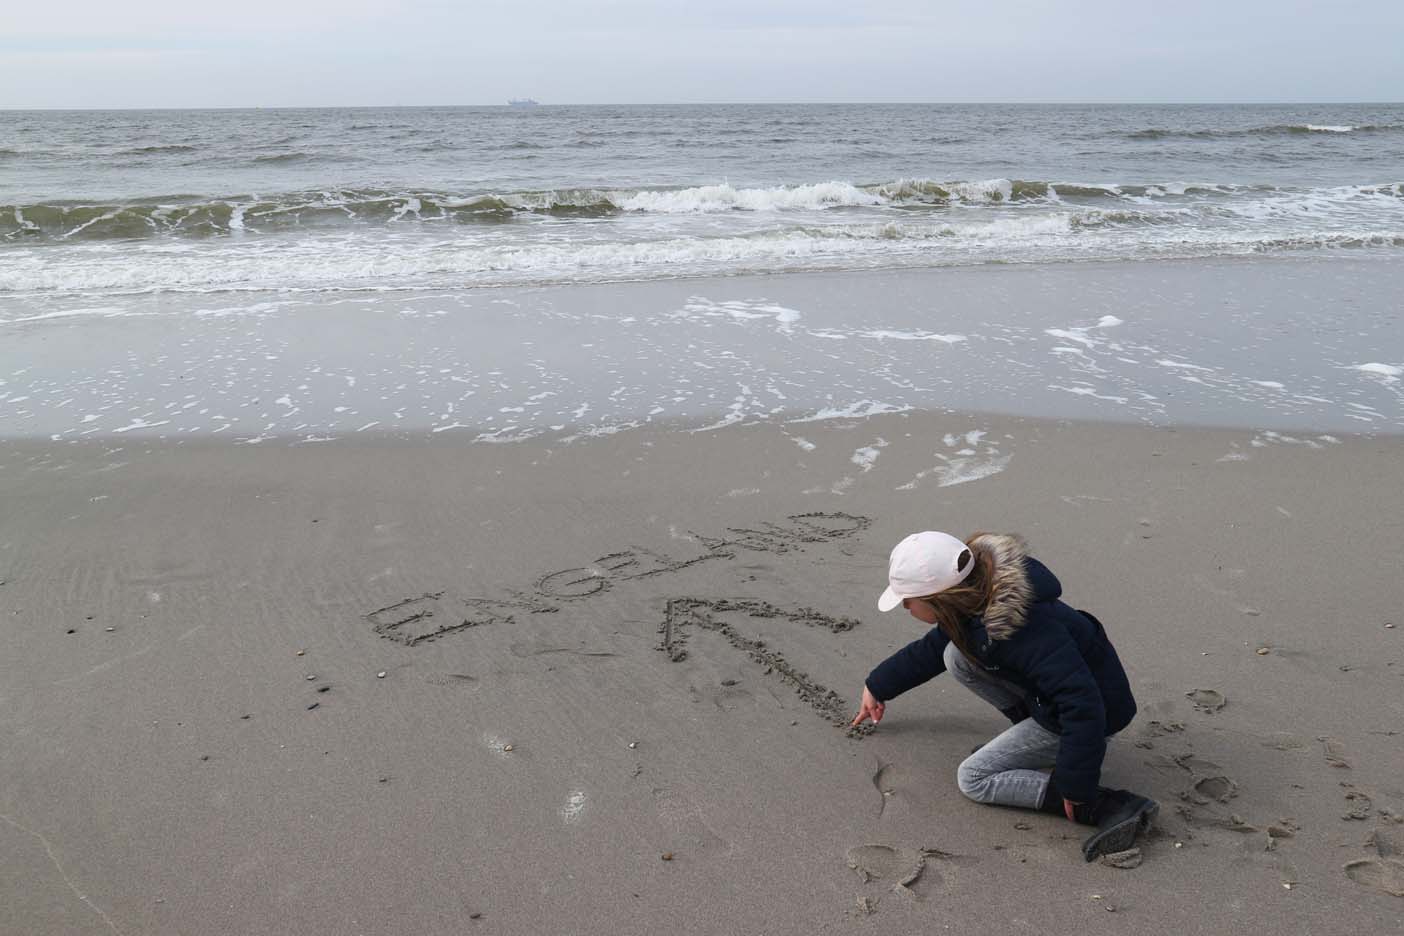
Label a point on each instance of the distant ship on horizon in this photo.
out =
(523, 102)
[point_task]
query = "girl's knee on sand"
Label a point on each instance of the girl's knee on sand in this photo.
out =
(973, 779)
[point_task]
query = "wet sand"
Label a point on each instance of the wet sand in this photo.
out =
(382, 686)
(1287, 344)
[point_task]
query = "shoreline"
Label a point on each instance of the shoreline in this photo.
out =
(1273, 345)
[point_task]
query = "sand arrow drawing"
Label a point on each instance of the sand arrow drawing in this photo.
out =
(682, 614)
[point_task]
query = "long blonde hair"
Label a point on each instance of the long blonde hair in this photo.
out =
(970, 598)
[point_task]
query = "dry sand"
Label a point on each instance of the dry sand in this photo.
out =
(614, 713)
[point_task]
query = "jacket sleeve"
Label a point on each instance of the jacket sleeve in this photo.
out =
(909, 667)
(1062, 678)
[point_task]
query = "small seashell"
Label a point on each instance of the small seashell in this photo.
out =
(507, 748)
(633, 744)
(1390, 626)
(667, 856)
(311, 676)
(301, 652)
(380, 675)
(1179, 844)
(1263, 651)
(111, 629)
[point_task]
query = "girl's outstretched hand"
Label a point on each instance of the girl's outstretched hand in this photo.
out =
(868, 708)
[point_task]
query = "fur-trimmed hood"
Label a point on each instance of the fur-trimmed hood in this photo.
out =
(1013, 590)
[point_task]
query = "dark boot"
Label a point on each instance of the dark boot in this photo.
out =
(1119, 816)
(1052, 799)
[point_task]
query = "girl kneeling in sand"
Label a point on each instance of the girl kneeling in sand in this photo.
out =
(1051, 670)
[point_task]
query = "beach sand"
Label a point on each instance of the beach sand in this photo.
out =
(606, 705)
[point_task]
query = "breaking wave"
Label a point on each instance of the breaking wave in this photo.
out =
(197, 217)
(1158, 133)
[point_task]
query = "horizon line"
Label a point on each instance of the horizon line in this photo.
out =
(505, 105)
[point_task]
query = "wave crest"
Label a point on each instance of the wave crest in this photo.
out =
(1161, 133)
(198, 217)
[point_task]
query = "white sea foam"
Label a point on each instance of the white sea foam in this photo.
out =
(141, 424)
(708, 198)
(1388, 371)
(1071, 334)
(960, 470)
(891, 335)
(867, 456)
(859, 410)
(373, 259)
(1089, 392)
(987, 190)
(95, 311)
(741, 309)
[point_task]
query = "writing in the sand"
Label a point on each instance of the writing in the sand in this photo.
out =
(415, 620)
(683, 614)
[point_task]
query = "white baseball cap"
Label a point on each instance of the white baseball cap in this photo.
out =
(924, 564)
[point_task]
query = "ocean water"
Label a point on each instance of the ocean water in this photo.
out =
(112, 203)
(559, 271)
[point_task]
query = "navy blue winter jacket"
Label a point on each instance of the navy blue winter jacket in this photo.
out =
(1061, 657)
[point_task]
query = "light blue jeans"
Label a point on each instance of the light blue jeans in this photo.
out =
(1008, 770)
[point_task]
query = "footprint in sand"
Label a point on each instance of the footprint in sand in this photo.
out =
(1358, 804)
(884, 862)
(1382, 874)
(1383, 845)
(1197, 765)
(902, 866)
(1283, 741)
(1208, 701)
(1335, 752)
(1157, 729)
(885, 781)
(1218, 789)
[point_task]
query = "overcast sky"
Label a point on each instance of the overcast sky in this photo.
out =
(194, 53)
